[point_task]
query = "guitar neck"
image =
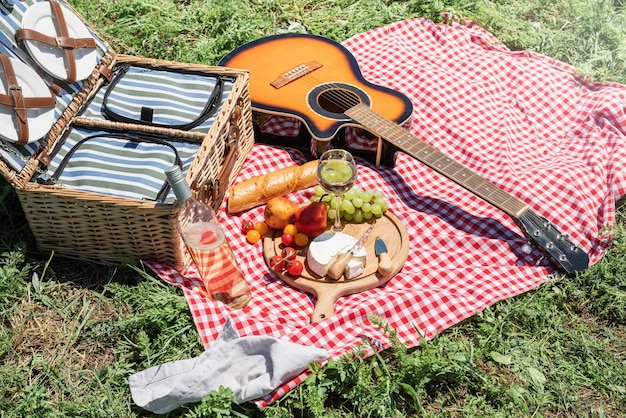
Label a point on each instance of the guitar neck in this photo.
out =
(436, 160)
(539, 230)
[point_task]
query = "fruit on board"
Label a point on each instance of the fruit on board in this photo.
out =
(357, 205)
(300, 239)
(311, 219)
(294, 268)
(279, 212)
(287, 239)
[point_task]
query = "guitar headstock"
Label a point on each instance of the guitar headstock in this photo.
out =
(544, 234)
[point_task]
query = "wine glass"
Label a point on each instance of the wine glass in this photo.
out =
(336, 173)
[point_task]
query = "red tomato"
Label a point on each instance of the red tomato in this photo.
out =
(246, 227)
(294, 268)
(288, 253)
(277, 263)
(287, 239)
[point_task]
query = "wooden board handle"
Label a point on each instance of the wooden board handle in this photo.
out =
(324, 307)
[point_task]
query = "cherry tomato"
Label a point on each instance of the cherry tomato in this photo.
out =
(290, 229)
(261, 227)
(300, 239)
(253, 236)
(288, 253)
(277, 263)
(287, 239)
(294, 268)
(246, 227)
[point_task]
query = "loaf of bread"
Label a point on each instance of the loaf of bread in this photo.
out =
(260, 189)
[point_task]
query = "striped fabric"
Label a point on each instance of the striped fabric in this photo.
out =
(177, 98)
(116, 166)
(120, 175)
(9, 23)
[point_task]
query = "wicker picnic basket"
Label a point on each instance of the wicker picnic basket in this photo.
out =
(109, 228)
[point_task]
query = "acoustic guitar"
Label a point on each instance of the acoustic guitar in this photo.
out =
(318, 81)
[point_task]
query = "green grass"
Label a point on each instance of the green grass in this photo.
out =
(589, 35)
(72, 333)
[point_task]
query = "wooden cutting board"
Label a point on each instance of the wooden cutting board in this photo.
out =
(327, 291)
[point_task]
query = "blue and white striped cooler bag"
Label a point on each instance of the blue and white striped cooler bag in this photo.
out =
(116, 161)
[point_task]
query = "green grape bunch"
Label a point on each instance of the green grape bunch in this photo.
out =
(356, 205)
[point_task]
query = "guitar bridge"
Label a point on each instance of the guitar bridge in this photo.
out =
(295, 73)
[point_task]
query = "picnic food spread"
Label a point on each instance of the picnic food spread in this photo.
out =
(330, 255)
(361, 271)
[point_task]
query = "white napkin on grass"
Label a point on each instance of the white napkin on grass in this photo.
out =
(250, 366)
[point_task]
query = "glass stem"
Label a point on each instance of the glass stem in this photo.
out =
(337, 226)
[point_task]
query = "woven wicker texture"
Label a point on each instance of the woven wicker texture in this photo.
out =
(110, 229)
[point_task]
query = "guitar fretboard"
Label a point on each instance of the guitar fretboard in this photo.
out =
(436, 160)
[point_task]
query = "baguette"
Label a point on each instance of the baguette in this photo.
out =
(260, 189)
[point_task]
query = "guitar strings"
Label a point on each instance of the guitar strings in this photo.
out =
(336, 94)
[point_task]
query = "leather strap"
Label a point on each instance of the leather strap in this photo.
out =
(63, 41)
(16, 100)
(105, 72)
(213, 191)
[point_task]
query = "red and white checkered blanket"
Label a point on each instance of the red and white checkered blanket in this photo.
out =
(522, 120)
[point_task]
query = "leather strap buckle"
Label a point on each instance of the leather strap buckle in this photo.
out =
(15, 87)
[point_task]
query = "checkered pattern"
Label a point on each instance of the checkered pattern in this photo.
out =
(522, 120)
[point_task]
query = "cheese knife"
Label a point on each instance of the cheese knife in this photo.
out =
(385, 265)
(337, 267)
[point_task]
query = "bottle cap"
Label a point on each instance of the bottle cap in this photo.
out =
(176, 179)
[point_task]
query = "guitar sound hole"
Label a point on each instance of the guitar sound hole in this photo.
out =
(332, 99)
(338, 100)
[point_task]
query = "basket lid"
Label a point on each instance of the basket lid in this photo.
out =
(18, 163)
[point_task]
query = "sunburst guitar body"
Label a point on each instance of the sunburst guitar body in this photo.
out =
(313, 79)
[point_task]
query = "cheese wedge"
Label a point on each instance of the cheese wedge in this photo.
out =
(324, 249)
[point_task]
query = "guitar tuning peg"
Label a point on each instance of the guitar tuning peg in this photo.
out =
(561, 237)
